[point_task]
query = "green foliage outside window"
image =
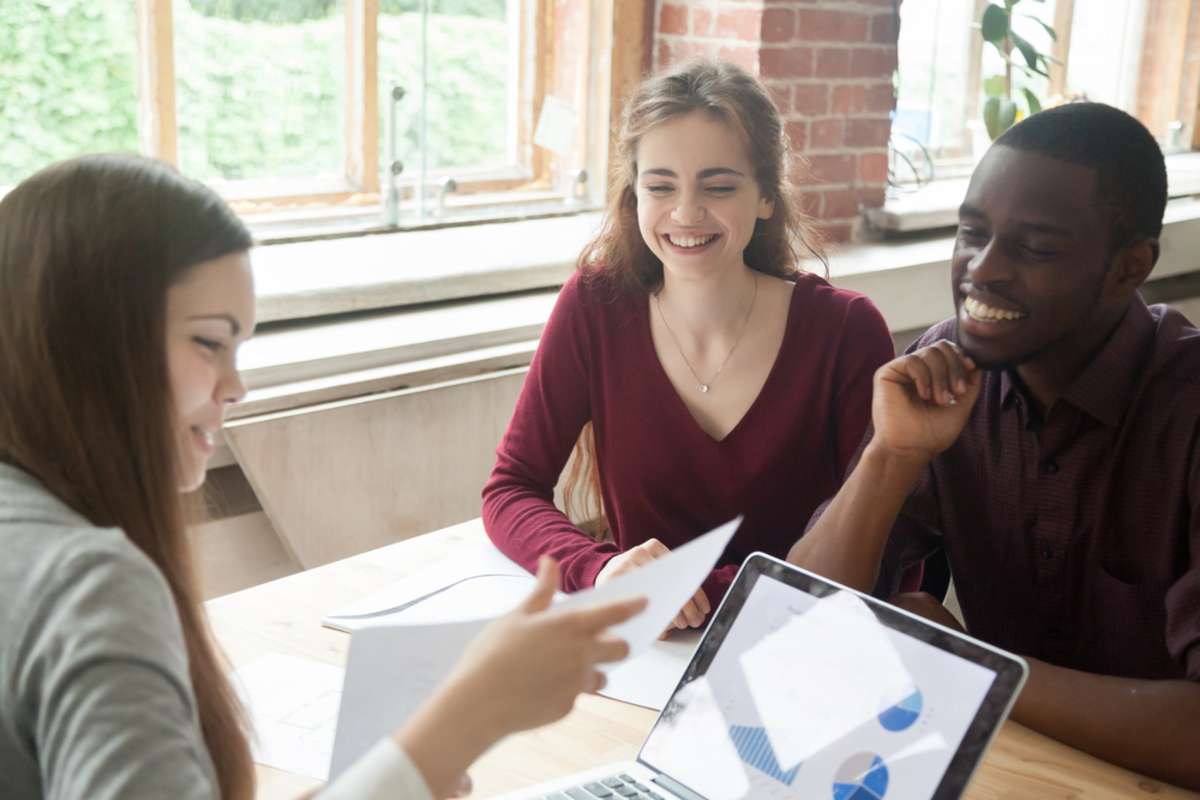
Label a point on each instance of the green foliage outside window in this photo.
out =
(68, 83)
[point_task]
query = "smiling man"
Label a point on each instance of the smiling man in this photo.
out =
(1047, 438)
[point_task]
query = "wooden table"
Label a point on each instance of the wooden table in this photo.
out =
(283, 617)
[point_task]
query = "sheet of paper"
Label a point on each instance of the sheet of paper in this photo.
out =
(649, 679)
(392, 669)
(823, 674)
(667, 583)
(292, 704)
(480, 562)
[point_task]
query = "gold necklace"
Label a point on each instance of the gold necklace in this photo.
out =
(704, 386)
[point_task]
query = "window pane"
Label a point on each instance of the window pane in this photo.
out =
(468, 98)
(68, 72)
(260, 88)
(934, 53)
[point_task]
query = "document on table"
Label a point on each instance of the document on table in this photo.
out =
(392, 669)
(292, 704)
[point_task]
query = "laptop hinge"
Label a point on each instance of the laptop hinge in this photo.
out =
(676, 788)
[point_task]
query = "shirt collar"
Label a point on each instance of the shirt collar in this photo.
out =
(1104, 388)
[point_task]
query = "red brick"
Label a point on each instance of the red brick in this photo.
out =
(872, 197)
(880, 98)
(701, 22)
(744, 24)
(746, 57)
(872, 168)
(810, 203)
(832, 169)
(868, 132)
(849, 99)
(786, 62)
(831, 26)
(835, 232)
(885, 28)
(872, 62)
(833, 62)
(673, 19)
(665, 57)
(778, 25)
(781, 96)
(797, 134)
(811, 100)
(826, 133)
(839, 204)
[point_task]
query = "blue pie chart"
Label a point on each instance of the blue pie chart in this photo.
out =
(861, 777)
(902, 715)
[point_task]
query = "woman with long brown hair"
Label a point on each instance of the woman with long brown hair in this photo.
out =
(709, 376)
(127, 291)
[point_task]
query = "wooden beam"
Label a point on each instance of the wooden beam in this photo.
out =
(157, 132)
(632, 55)
(362, 94)
(1064, 16)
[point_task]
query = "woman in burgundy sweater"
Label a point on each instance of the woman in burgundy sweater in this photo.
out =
(717, 378)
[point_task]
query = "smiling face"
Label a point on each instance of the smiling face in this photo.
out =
(1031, 264)
(697, 198)
(210, 312)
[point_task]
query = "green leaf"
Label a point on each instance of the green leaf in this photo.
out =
(994, 86)
(1031, 99)
(999, 114)
(1027, 50)
(1049, 31)
(994, 24)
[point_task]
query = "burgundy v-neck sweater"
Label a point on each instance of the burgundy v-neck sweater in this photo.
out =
(661, 475)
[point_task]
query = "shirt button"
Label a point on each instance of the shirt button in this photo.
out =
(1050, 467)
(1048, 551)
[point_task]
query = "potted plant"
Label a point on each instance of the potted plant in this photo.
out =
(1002, 108)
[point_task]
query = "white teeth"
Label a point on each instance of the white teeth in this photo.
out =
(690, 241)
(985, 313)
(206, 435)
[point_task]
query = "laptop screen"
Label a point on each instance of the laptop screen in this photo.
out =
(803, 689)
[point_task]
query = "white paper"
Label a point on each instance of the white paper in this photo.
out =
(392, 669)
(667, 583)
(649, 679)
(478, 567)
(822, 675)
(556, 126)
(292, 704)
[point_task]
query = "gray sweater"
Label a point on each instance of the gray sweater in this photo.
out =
(95, 698)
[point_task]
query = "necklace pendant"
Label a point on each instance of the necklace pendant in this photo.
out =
(704, 388)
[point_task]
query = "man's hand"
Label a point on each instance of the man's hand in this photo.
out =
(692, 614)
(923, 604)
(922, 400)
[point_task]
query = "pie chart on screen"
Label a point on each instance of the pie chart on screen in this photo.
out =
(902, 715)
(861, 777)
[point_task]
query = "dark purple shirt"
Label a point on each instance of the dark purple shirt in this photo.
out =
(1076, 538)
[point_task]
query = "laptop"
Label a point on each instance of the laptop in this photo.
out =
(803, 688)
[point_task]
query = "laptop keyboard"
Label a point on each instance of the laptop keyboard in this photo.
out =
(617, 787)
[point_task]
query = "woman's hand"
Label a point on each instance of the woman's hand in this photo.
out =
(693, 613)
(524, 670)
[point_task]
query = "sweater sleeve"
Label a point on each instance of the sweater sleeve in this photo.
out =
(102, 680)
(866, 345)
(554, 405)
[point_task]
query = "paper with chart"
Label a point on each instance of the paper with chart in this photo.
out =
(292, 704)
(392, 669)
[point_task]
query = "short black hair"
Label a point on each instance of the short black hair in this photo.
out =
(1131, 174)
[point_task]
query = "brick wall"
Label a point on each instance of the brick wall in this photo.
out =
(829, 64)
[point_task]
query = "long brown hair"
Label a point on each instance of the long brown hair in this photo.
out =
(618, 253)
(88, 250)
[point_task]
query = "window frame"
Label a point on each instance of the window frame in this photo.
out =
(359, 190)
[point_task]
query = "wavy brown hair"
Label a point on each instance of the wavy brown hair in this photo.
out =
(88, 250)
(618, 253)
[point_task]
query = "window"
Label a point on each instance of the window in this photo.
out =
(356, 111)
(1137, 55)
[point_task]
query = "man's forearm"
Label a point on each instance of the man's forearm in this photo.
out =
(1152, 727)
(846, 543)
